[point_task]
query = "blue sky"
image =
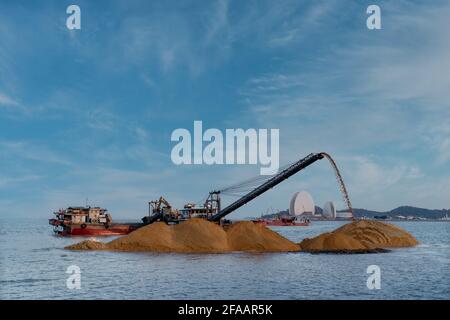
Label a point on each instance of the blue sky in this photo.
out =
(89, 113)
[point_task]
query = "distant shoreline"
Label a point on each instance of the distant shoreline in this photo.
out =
(402, 213)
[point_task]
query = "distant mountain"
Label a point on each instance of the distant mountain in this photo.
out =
(406, 211)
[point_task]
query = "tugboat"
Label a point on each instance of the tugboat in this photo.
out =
(88, 221)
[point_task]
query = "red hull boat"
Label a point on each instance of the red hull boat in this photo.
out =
(283, 222)
(87, 221)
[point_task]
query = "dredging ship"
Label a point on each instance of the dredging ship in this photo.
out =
(95, 220)
(88, 221)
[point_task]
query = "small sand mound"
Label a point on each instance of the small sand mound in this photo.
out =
(248, 236)
(87, 245)
(196, 236)
(360, 236)
(331, 242)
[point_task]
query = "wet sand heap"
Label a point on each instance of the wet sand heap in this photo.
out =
(360, 237)
(202, 236)
(196, 236)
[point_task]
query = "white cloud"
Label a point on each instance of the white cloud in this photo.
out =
(32, 151)
(141, 133)
(8, 181)
(7, 101)
(218, 24)
(294, 29)
(102, 119)
(370, 176)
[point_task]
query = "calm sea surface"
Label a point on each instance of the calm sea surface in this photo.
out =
(33, 265)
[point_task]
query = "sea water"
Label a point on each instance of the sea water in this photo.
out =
(33, 265)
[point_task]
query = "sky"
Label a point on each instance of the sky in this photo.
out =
(87, 115)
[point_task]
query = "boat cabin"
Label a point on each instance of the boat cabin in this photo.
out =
(189, 212)
(79, 215)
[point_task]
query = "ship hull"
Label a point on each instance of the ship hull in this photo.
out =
(101, 230)
(93, 229)
(281, 223)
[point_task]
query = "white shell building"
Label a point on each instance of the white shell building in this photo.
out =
(302, 204)
(329, 210)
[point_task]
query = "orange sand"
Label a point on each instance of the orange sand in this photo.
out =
(248, 236)
(202, 236)
(196, 236)
(360, 236)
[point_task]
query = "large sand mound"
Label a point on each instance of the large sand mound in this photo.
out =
(196, 235)
(360, 236)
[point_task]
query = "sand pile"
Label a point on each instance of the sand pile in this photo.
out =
(360, 236)
(202, 236)
(88, 245)
(196, 235)
(248, 236)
